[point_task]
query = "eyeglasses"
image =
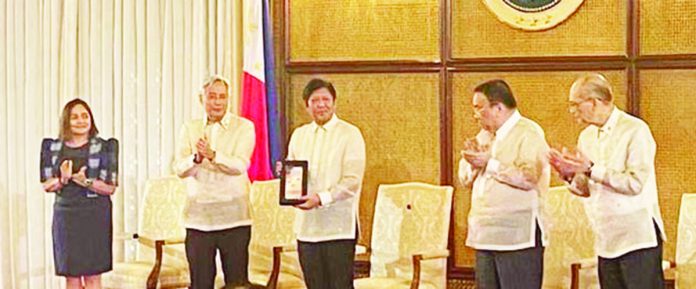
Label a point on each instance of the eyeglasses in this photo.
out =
(578, 103)
(573, 105)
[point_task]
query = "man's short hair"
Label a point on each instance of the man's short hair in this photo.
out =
(497, 91)
(315, 84)
(212, 80)
(593, 85)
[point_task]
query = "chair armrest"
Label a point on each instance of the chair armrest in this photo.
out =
(427, 255)
(174, 241)
(575, 267)
(434, 254)
(147, 241)
(275, 272)
(362, 253)
(153, 278)
(152, 243)
(668, 264)
(125, 236)
(286, 248)
(588, 263)
(360, 249)
(362, 262)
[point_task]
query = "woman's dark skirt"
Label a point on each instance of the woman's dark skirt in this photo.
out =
(82, 236)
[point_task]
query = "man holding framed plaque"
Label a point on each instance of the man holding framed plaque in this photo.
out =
(327, 222)
(293, 182)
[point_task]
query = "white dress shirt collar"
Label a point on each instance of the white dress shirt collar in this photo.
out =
(224, 122)
(328, 125)
(611, 122)
(507, 126)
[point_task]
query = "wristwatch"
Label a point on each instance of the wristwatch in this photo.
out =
(195, 159)
(88, 183)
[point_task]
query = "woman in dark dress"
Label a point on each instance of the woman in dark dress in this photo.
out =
(82, 169)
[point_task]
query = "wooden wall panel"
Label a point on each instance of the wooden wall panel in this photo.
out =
(542, 97)
(598, 27)
(399, 117)
(339, 30)
(396, 37)
(667, 27)
(667, 106)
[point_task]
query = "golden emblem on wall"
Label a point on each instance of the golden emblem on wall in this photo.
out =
(533, 15)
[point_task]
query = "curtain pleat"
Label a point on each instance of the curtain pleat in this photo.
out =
(139, 64)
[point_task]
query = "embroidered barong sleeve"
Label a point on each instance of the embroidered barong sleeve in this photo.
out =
(636, 168)
(183, 165)
(238, 162)
(352, 171)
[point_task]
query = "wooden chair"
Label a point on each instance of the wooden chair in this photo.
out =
(685, 264)
(409, 237)
(272, 227)
(159, 263)
(587, 267)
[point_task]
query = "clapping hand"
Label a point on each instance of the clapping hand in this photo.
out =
(516, 178)
(66, 168)
(567, 163)
(203, 149)
(52, 185)
(476, 154)
(80, 178)
(581, 160)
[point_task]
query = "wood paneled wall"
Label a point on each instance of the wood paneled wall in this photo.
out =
(404, 71)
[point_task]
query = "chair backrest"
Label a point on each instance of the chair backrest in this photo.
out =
(570, 239)
(273, 225)
(161, 214)
(686, 243)
(410, 218)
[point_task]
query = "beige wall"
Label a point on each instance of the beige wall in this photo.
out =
(404, 111)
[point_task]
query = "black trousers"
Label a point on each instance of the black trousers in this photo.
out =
(639, 269)
(233, 245)
(519, 269)
(327, 265)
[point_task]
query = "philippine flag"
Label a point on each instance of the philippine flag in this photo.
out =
(259, 100)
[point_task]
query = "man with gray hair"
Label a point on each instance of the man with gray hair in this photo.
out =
(212, 156)
(614, 169)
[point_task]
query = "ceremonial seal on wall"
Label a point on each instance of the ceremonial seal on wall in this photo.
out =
(533, 15)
